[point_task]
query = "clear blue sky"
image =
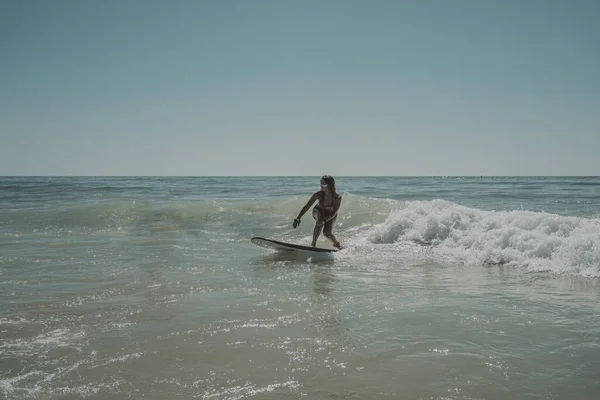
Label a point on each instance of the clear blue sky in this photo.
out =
(305, 87)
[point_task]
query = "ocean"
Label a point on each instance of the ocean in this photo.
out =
(447, 288)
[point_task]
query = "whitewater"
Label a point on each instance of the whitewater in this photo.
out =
(448, 287)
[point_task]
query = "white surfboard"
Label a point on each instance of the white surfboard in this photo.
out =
(282, 246)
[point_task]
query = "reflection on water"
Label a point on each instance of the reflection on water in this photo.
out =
(328, 318)
(300, 257)
(324, 281)
(298, 269)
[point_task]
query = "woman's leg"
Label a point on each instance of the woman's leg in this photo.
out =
(329, 235)
(316, 233)
(316, 213)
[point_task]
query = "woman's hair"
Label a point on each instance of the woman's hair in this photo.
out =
(330, 183)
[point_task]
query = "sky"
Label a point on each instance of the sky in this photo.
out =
(304, 87)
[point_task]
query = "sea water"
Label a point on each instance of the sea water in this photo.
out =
(448, 288)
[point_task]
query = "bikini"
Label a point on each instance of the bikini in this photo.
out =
(316, 212)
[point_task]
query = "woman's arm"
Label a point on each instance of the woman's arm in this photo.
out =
(311, 201)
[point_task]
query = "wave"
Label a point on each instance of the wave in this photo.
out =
(537, 241)
(438, 229)
(122, 213)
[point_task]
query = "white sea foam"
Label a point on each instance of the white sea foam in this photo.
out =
(320, 257)
(534, 240)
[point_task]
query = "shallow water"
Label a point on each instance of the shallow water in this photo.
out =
(150, 287)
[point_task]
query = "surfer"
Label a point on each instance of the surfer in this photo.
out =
(325, 212)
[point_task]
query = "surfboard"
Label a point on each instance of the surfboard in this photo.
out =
(282, 246)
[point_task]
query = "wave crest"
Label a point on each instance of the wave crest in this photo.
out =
(539, 241)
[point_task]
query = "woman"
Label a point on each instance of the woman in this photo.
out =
(325, 212)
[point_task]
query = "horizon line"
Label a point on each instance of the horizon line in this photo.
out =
(293, 176)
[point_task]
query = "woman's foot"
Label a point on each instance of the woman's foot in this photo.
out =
(337, 245)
